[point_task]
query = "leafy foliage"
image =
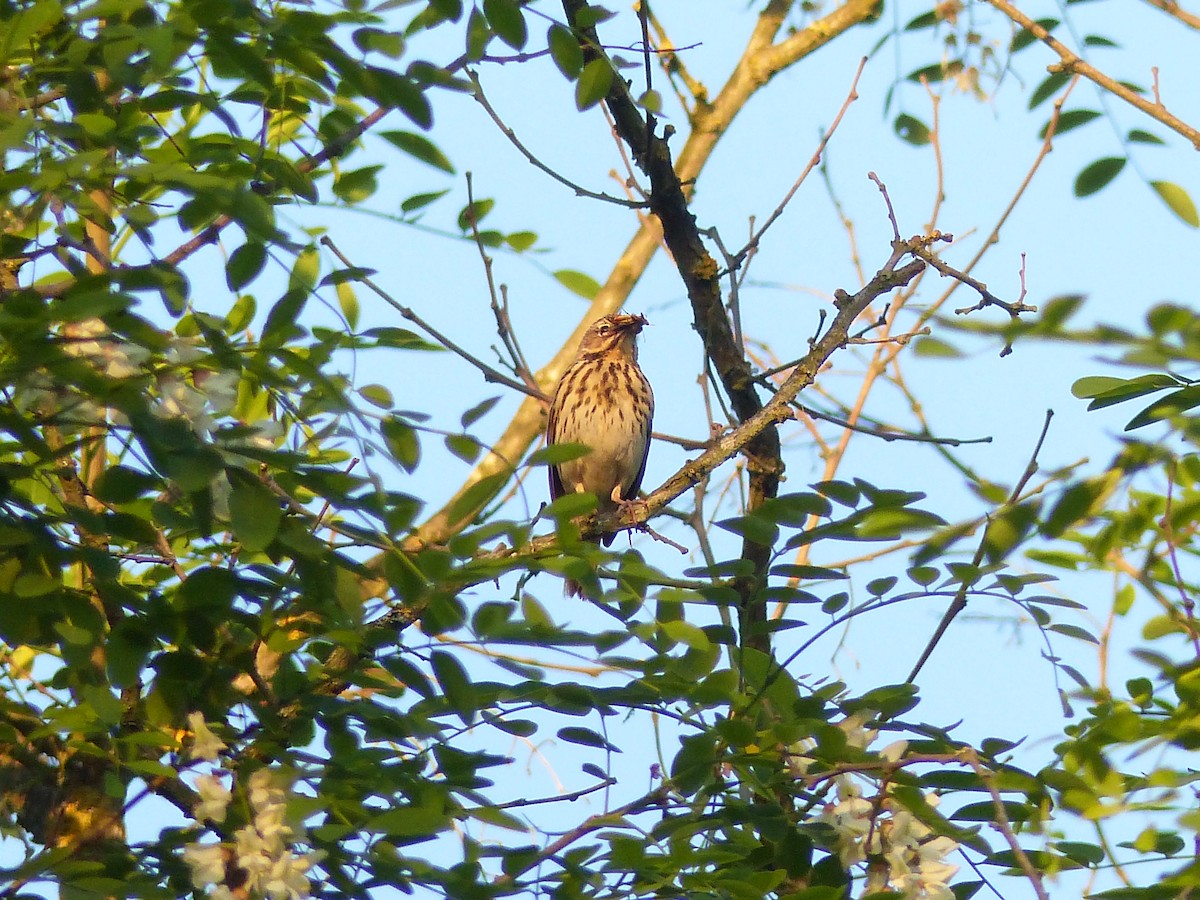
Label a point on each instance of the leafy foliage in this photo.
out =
(221, 595)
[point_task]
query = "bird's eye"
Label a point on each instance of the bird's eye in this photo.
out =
(604, 329)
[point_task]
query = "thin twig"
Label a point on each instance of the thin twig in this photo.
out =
(1003, 825)
(580, 190)
(1071, 63)
(558, 798)
(812, 164)
(656, 798)
(503, 325)
(489, 374)
(959, 603)
(1171, 8)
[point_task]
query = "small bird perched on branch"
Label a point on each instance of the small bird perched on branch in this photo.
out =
(604, 402)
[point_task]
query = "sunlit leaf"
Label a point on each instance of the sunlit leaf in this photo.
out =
(594, 82)
(911, 130)
(1178, 201)
(565, 51)
(254, 511)
(577, 282)
(419, 147)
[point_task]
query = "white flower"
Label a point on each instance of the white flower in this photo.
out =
(205, 744)
(92, 340)
(214, 799)
(287, 878)
(207, 862)
(851, 818)
(252, 853)
(264, 792)
(178, 400)
(220, 388)
(856, 734)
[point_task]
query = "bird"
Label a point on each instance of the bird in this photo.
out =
(604, 402)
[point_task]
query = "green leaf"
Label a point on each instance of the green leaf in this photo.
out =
(1178, 201)
(585, 737)
(1167, 407)
(1074, 506)
(1025, 37)
(1073, 631)
(651, 101)
(477, 495)
(305, 271)
(839, 492)
(590, 16)
(577, 282)
(521, 240)
(753, 527)
(507, 21)
(1098, 174)
(121, 484)
(357, 185)
(1069, 120)
(924, 20)
(936, 348)
(911, 130)
(881, 586)
(1048, 88)
(402, 442)
(1095, 385)
(459, 691)
(348, 301)
(420, 201)
(594, 82)
(421, 148)
(478, 35)
(254, 511)
(886, 524)
(376, 395)
(96, 125)
(375, 40)
(807, 573)
(393, 90)
(558, 453)
(464, 447)
(28, 22)
(1123, 389)
(245, 264)
(1144, 137)
(565, 51)
(478, 411)
(923, 575)
(683, 632)
(473, 213)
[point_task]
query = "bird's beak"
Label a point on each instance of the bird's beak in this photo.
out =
(632, 324)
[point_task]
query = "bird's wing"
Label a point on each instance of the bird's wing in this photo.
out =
(556, 485)
(636, 485)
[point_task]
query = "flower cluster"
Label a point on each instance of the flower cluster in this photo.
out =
(261, 859)
(92, 340)
(904, 853)
(901, 852)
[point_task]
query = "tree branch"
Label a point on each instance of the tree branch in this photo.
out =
(1072, 63)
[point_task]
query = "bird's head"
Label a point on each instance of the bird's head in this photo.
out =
(617, 332)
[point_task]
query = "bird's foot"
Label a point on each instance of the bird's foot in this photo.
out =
(634, 511)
